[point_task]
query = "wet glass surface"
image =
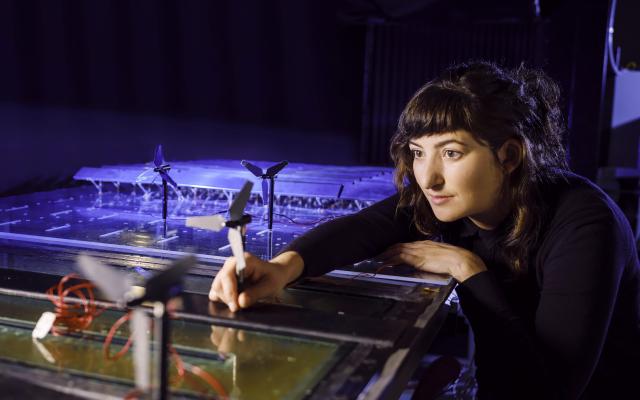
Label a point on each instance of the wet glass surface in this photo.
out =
(134, 219)
(248, 364)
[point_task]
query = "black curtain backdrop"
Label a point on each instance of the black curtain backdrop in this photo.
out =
(285, 63)
(102, 82)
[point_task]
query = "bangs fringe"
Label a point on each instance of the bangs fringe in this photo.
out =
(436, 110)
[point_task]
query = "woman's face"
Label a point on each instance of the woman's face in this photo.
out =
(460, 177)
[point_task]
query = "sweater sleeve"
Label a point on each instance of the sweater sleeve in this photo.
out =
(579, 268)
(352, 238)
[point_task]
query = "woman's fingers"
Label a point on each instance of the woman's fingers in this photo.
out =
(265, 281)
(260, 289)
(252, 269)
(216, 288)
(212, 292)
(424, 255)
(260, 277)
(397, 250)
(230, 292)
(224, 286)
(430, 256)
(404, 258)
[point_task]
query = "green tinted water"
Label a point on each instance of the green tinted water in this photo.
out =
(248, 364)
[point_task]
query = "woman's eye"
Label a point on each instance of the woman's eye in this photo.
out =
(452, 154)
(416, 153)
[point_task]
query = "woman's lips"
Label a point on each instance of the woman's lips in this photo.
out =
(439, 200)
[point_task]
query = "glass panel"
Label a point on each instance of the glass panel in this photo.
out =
(248, 364)
(127, 221)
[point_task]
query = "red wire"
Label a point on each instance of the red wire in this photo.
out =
(134, 394)
(111, 334)
(213, 382)
(76, 317)
(179, 363)
(199, 372)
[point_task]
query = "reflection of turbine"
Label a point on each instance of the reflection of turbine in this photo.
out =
(236, 223)
(161, 287)
(269, 174)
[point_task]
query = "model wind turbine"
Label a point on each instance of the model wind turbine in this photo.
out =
(267, 188)
(159, 289)
(163, 168)
(236, 223)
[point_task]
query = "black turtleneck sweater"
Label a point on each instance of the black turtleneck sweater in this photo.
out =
(569, 328)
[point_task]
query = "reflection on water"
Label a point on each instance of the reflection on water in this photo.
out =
(248, 364)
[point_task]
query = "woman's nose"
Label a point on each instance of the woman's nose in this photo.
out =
(433, 178)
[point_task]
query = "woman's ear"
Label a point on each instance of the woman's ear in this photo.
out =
(511, 154)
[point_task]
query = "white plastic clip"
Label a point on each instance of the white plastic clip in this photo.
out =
(44, 325)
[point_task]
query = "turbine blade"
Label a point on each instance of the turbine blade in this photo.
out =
(169, 180)
(254, 169)
(235, 240)
(159, 286)
(158, 159)
(274, 169)
(240, 202)
(211, 223)
(139, 324)
(114, 284)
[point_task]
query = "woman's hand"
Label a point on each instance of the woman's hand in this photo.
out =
(262, 278)
(435, 257)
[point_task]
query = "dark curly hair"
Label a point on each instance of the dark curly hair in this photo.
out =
(493, 104)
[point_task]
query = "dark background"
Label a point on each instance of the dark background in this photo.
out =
(102, 82)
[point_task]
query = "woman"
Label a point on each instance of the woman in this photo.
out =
(546, 263)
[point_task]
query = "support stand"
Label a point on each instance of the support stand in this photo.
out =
(162, 332)
(164, 207)
(272, 183)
